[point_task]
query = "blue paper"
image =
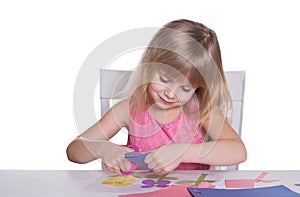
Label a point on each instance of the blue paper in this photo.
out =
(138, 158)
(274, 191)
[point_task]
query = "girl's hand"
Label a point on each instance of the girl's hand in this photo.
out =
(114, 158)
(166, 158)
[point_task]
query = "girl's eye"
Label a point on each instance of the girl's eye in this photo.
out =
(164, 79)
(186, 88)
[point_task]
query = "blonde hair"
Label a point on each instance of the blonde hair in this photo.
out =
(192, 49)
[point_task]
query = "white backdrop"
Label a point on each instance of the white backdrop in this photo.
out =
(43, 45)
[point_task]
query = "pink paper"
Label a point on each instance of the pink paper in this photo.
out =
(246, 183)
(201, 185)
(206, 185)
(173, 190)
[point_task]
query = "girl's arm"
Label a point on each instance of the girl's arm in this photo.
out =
(225, 147)
(93, 143)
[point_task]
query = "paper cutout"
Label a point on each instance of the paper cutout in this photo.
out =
(162, 177)
(200, 182)
(137, 159)
(201, 185)
(162, 181)
(150, 183)
(119, 181)
(206, 185)
(275, 191)
(136, 175)
(247, 183)
(173, 190)
(260, 178)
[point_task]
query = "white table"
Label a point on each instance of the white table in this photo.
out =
(89, 183)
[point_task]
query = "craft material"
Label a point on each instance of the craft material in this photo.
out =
(162, 180)
(137, 159)
(200, 182)
(247, 183)
(274, 191)
(173, 190)
(119, 181)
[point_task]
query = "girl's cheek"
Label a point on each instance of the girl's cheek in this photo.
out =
(184, 98)
(157, 87)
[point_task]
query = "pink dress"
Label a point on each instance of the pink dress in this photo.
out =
(147, 133)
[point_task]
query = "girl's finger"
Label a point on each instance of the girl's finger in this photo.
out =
(122, 166)
(110, 169)
(117, 171)
(127, 165)
(148, 158)
(113, 169)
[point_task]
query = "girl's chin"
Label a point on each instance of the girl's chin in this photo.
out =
(167, 106)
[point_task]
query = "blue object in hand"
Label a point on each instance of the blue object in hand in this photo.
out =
(138, 158)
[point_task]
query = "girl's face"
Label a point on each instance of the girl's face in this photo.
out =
(169, 93)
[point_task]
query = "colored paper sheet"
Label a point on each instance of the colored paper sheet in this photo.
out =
(201, 185)
(247, 183)
(173, 190)
(120, 181)
(275, 191)
(138, 158)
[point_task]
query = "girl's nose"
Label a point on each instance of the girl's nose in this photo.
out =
(170, 94)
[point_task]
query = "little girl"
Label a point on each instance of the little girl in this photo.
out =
(177, 108)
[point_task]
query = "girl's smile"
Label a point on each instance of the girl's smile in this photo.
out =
(166, 100)
(167, 93)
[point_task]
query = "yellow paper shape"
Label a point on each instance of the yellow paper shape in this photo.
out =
(119, 181)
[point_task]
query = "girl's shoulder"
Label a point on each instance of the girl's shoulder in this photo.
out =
(123, 102)
(121, 110)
